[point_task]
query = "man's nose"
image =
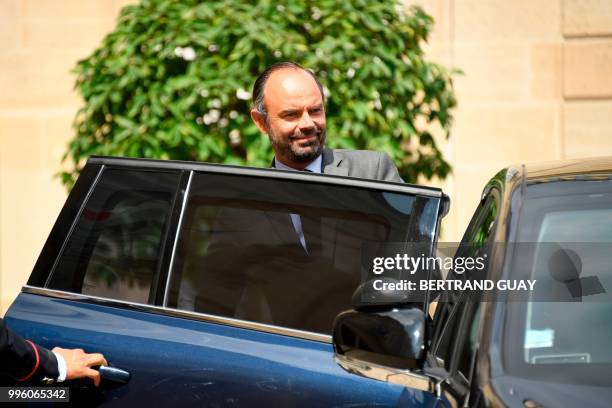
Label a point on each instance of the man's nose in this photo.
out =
(306, 121)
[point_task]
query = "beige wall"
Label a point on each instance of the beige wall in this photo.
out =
(40, 42)
(537, 86)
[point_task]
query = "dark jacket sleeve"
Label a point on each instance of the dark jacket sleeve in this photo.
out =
(23, 360)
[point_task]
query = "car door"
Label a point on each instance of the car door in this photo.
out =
(198, 280)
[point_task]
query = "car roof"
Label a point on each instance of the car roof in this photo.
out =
(568, 168)
(511, 177)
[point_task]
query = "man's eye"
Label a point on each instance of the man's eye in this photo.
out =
(316, 111)
(293, 115)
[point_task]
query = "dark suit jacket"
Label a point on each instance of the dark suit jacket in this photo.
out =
(23, 360)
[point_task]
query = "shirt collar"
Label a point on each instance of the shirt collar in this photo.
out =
(314, 166)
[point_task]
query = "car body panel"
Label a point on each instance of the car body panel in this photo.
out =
(199, 363)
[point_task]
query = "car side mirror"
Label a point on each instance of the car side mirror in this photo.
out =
(386, 345)
(394, 338)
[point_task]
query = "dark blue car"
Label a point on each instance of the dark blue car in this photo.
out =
(193, 279)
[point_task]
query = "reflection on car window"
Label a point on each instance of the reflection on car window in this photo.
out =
(571, 223)
(548, 337)
(115, 247)
(242, 254)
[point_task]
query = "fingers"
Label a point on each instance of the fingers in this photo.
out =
(79, 363)
(96, 359)
(94, 375)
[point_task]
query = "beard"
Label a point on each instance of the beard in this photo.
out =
(300, 153)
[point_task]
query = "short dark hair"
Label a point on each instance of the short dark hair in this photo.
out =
(260, 83)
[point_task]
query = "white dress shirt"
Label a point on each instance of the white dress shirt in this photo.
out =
(313, 167)
(61, 367)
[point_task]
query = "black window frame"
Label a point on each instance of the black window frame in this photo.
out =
(462, 307)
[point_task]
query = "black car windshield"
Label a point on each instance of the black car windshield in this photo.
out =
(565, 336)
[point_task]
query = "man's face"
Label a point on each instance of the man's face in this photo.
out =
(295, 122)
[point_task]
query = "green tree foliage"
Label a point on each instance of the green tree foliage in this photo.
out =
(173, 80)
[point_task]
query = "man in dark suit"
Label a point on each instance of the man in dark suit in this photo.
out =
(256, 254)
(289, 106)
(22, 360)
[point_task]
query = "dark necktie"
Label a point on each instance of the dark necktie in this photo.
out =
(311, 226)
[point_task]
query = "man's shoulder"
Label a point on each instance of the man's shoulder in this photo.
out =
(362, 163)
(357, 154)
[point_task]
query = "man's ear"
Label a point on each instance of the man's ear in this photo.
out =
(259, 120)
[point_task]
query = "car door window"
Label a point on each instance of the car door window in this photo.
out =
(114, 249)
(241, 253)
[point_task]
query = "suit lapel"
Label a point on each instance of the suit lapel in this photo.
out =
(332, 164)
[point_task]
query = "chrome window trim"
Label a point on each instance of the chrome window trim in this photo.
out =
(411, 379)
(243, 324)
(176, 239)
(391, 375)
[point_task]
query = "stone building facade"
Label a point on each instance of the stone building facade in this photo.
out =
(537, 85)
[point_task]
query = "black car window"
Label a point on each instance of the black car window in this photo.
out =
(240, 254)
(114, 249)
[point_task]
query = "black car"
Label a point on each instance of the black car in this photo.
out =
(549, 347)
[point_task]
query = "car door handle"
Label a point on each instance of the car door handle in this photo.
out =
(114, 374)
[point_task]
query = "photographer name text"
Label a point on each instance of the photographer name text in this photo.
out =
(456, 284)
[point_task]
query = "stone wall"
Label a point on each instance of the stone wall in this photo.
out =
(537, 85)
(41, 42)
